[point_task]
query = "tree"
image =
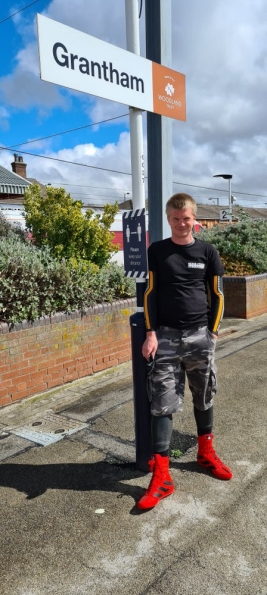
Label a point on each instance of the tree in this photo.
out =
(56, 220)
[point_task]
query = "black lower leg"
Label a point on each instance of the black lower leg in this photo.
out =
(204, 421)
(161, 429)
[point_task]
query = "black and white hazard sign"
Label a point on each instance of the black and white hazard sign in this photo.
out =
(134, 243)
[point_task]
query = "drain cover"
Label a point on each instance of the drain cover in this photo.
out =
(48, 429)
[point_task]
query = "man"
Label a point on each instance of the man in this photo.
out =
(183, 307)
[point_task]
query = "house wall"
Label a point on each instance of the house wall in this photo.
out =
(36, 357)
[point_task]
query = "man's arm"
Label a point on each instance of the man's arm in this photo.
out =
(150, 311)
(216, 304)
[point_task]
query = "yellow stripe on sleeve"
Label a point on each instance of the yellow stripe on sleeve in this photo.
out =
(147, 293)
(219, 293)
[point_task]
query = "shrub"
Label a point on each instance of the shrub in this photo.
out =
(242, 246)
(33, 283)
(10, 229)
(57, 221)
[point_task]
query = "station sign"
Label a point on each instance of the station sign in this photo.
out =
(224, 215)
(78, 61)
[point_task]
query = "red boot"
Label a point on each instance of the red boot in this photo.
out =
(206, 457)
(161, 484)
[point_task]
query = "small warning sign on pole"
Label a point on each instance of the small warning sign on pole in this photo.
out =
(134, 243)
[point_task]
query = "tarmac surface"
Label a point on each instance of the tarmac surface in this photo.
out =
(69, 485)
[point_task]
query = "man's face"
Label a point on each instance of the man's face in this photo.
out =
(181, 224)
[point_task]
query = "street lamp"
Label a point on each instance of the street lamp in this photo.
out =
(126, 194)
(215, 198)
(227, 177)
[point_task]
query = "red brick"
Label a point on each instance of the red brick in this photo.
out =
(39, 376)
(62, 359)
(85, 372)
(40, 388)
(21, 394)
(5, 401)
(49, 363)
(21, 386)
(98, 368)
(7, 376)
(4, 368)
(6, 384)
(4, 392)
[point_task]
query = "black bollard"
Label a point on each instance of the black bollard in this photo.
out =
(142, 413)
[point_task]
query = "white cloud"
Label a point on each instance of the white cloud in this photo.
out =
(22, 90)
(105, 20)
(82, 180)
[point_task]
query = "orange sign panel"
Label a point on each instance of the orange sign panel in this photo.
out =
(168, 92)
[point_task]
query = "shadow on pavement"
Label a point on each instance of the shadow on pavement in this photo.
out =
(35, 480)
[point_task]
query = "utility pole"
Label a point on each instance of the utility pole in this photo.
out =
(159, 128)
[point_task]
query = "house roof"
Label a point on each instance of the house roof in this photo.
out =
(213, 212)
(11, 183)
(42, 186)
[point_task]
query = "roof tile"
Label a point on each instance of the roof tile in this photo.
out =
(11, 183)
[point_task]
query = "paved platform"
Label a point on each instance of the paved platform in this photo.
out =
(69, 484)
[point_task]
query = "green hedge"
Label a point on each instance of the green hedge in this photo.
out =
(242, 246)
(34, 284)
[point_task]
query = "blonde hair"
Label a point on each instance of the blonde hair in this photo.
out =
(181, 201)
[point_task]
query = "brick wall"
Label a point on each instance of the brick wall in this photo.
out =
(245, 297)
(36, 357)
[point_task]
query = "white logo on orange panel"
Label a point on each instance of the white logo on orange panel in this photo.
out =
(168, 92)
(169, 87)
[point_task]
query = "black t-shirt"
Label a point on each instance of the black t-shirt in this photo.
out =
(180, 277)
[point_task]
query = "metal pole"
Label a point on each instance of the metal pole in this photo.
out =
(230, 202)
(137, 321)
(136, 123)
(159, 129)
(227, 177)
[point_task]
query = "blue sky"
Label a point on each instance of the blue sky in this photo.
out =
(220, 46)
(32, 118)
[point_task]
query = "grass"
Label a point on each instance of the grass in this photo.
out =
(176, 453)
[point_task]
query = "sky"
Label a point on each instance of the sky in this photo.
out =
(221, 48)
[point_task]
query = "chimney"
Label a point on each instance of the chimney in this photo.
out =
(18, 166)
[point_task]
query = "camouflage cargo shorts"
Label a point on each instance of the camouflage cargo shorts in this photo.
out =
(181, 354)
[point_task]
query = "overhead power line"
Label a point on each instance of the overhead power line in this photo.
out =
(220, 190)
(113, 171)
(21, 9)
(124, 173)
(35, 140)
(84, 186)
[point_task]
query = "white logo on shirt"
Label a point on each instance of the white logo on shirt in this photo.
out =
(196, 265)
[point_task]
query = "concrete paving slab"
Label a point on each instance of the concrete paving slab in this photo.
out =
(208, 536)
(11, 445)
(95, 402)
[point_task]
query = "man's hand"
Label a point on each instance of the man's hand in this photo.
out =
(150, 345)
